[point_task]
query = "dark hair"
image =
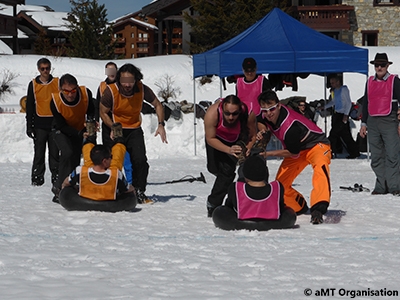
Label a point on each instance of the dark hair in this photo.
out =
(243, 116)
(110, 63)
(130, 69)
(43, 61)
(268, 97)
(98, 153)
(69, 79)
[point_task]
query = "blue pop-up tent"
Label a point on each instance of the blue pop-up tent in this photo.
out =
(281, 45)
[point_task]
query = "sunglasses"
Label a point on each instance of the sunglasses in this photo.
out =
(235, 113)
(270, 109)
(382, 65)
(301, 105)
(66, 92)
(45, 69)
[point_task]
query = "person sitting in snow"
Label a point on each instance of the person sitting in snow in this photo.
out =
(101, 178)
(253, 203)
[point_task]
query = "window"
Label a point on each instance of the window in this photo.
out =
(386, 2)
(370, 37)
(132, 35)
(132, 46)
(145, 35)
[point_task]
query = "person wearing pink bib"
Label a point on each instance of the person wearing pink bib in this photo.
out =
(380, 117)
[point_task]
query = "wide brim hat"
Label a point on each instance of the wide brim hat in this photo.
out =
(381, 58)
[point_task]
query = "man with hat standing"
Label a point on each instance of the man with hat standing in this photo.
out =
(381, 117)
(251, 85)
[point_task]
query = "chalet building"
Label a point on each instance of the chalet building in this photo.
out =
(134, 36)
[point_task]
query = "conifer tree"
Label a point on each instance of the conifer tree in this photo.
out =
(91, 35)
(42, 44)
(217, 21)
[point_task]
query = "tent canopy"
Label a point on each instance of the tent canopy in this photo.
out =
(281, 45)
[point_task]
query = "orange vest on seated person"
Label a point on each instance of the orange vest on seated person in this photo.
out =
(267, 208)
(126, 110)
(42, 93)
(74, 115)
(98, 191)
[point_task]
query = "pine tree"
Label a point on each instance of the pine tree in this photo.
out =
(42, 44)
(218, 21)
(91, 35)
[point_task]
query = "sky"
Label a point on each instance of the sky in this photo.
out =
(171, 250)
(115, 8)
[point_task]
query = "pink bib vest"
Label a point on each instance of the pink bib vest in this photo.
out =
(228, 134)
(267, 208)
(380, 95)
(291, 117)
(248, 92)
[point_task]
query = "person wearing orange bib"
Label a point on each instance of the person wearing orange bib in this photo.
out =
(100, 178)
(381, 115)
(39, 120)
(71, 107)
(124, 99)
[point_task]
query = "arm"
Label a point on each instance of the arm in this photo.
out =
(364, 118)
(252, 125)
(105, 107)
(150, 97)
(346, 102)
(30, 111)
(91, 110)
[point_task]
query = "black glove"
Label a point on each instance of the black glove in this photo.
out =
(30, 132)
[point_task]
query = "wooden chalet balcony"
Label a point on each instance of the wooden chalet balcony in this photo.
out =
(324, 17)
(119, 50)
(142, 50)
(119, 40)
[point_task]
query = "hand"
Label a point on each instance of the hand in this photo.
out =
(30, 132)
(163, 135)
(345, 119)
(260, 135)
(363, 131)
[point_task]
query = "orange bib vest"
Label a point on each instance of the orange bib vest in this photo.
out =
(126, 110)
(98, 191)
(42, 94)
(102, 87)
(74, 115)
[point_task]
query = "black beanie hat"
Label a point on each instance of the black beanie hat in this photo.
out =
(254, 168)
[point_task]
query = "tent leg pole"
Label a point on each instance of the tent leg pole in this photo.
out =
(194, 115)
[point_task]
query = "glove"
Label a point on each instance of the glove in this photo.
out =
(30, 132)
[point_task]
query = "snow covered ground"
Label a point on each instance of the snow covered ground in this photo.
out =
(171, 250)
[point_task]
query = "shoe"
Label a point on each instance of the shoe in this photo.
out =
(116, 129)
(56, 199)
(316, 217)
(142, 198)
(242, 155)
(210, 209)
(55, 190)
(91, 127)
(37, 181)
(396, 193)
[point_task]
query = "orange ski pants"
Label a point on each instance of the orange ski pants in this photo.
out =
(319, 157)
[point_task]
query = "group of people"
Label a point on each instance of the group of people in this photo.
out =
(58, 111)
(229, 123)
(64, 116)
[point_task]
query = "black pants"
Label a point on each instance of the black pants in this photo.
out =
(223, 166)
(134, 142)
(44, 137)
(341, 131)
(70, 155)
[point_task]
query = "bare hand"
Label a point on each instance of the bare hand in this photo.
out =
(163, 135)
(363, 131)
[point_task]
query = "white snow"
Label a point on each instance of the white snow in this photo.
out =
(171, 250)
